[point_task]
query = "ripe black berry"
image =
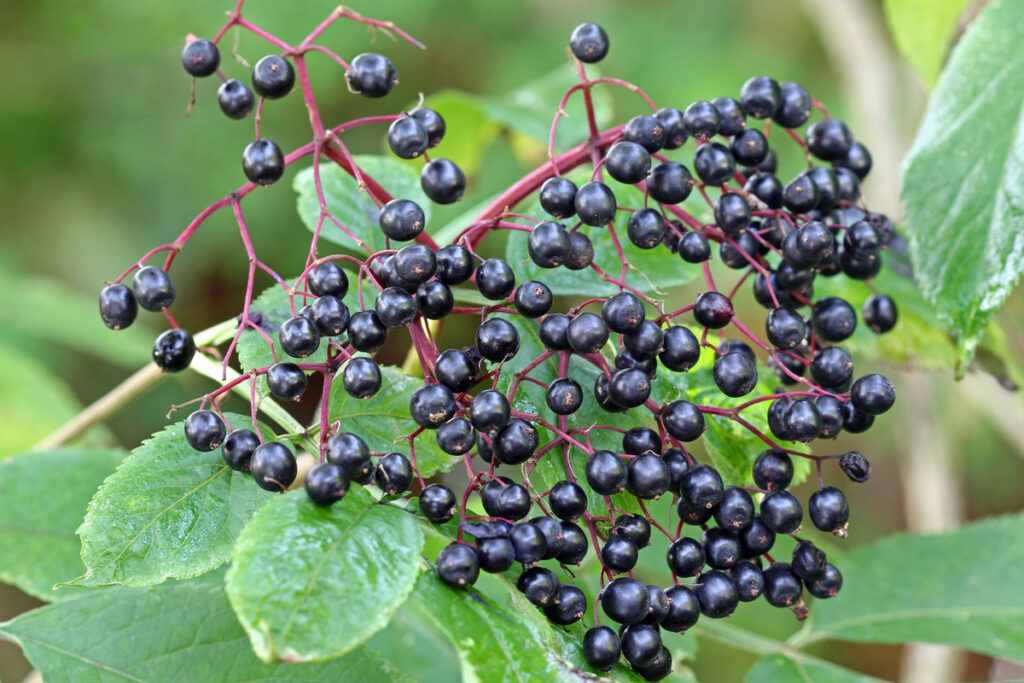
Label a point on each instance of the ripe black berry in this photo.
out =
(495, 279)
(118, 307)
(619, 554)
(856, 421)
(675, 130)
(761, 97)
(395, 307)
(681, 349)
(677, 466)
(431, 405)
(773, 470)
(434, 299)
(683, 420)
(516, 442)
(601, 647)
(640, 440)
(628, 162)
(702, 486)
(173, 350)
(568, 606)
(533, 299)
(415, 263)
(733, 119)
(567, 500)
(407, 138)
(495, 554)
(827, 585)
(645, 130)
(443, 181)
(235, 99)
(735, 374)
(803, 423)
(200, 57)
(832, 367)
(768, 189)
(800, 195)
(393, 473)
(736, 509)
(361, 377)
(647, 476)
(831, 411)
(808, 561)
(795, 106)
(558, 197)
(748, 579)
(238, 448)
(702, 120)
(634, 527)
(497, 339)
(587, 333)
(732, 213)
(829, 139)
(595, 204)
(299, 337)
(366, 331)
(263, 162)
(782, 587)
(625, 601)
(828, 509)
(606, 473)
(646, 228)
(456, 437)
(575, 544)
(489, 411)
(589, 43)
(756, 539)
(781, 512)
(581, 251)
(712, 310)
(455, 370)
(457, 565)
(371, 75)
(330, 315)
(721, 548)
(552, 530)
(641, 643)
(645, 341)
(714, 164)
(153, 288)
(873, 394)
(402, 220)
(273, 77)
(564, 396)
(548, 244)
(834, 318)
(858, 160)
(717, 595)
(273, 466)
(204, 430)
(749, 147)
(538, 585)
(352, 454)
(326, 483)
(529, 542)
(669, 183)
(683, 609)
(785, 328)
(437, 503)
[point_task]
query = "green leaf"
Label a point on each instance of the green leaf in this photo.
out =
(782, 669)
(472, 130)
(660, 268)
(956, 588)
(38, 545)
(412, 644)
(495, 644)
(167, 512)
(310, 582)
(180, 631)
(353, 208)
(965, 204)
(383, 419)
(922, 30)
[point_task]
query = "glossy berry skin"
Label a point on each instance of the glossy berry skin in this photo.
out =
(645, 130)
(714, 163)
(773, 470)
(204, 430)
(669, 183)
(781, 512)
(683, 420)
(118, 307)
(432, 405)
(648, 477)
(552, 531)
(393, 473)
(153, 288)
(685, 557)
(595, 204)
(456, 437)
(415, 263)
(538, 585)
(800, 195)
(690, 514)
(628, 162)
(829, 139)
(858, 160)
(702, 486)
(808, 561)
(702, 120)
(569, 605)
(717, 595)
(235, 99)
(407, 138)
(735, 374)
(645, 341)
(646, 228)
(328, 279)
(623, 312)
(395, 307)
(856, 466)
(873, 394)
(434, 300)
(681, 349)
(828, 509)
(606, 473)
(402, 220)
(712, 310)
(619, 554)
(173, 350)
(785, 328)
(454, 369)
(756, 539)
(625, 601)
(361, 378)
(629, 387)
(761, 97)
(832, 366)
(659, 606)
(457, 565)
(736, 509)
(641, 643)
(827, 585)
(795, 105)
(443, 181)
(671, 120)
(733, 120)
(802, 420)
(640, 440)
(575, 544)
(437, 503)
(366, 331)
(495, 554)
(548, 244)
(732, 213)
(273, 466)
(767, 188)
(489, 411)
(238, 448)
(330, 315)
(263, 162)
(567, 500)
(589, 43)
(782, 588)
(326, 483)
(558, 197)
(830, 409)
(587, 333)
(721, 548)
(677, 466)
(200, 57)
(371, 75)
(749, 147)
(564, 396)
(553, 332)
(529, 542)
(299, 337)
(834, 318)
(601, 647)
(273, 77)
(497, 339)
(581, 251)
(683, 610)
(516, 442)
(495, 279)
(634, 527)
(748, 579)
(352, 454)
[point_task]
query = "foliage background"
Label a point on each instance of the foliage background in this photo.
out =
(98, 163)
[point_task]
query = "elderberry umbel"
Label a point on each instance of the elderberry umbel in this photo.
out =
(608, 391)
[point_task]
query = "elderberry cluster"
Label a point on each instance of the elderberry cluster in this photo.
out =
(781, 235)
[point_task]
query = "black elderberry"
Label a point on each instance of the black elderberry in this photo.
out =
(558, 197)
(153, 288)
(641, 643)
(553, 537)
(849, 184)
(238, 448)
(781, 512)
(669, 183)
(395, 307)
(733, 120)
(863, 239)
(681, 349)
(634, 527)
(454, 369)
(756, 539)
(273, 77)
(645, 341)
(750, 147)
(828, 187)
(434, 299)
(415, 263)
(204, 430)
(516, 442)
(587, 333)
(782, 587)
(393, 473)
(118, 307)
(677, 463)
(619, 554)
(497, 339)
(200, 57)
(739, 251)
(366, 331)
(859, 267)
(735, 374)
(625, 601)
(432, 405)
(533, 299)
(761, 97)
(606, 473)
(456, 437)
(299, 337)
(589, 43)
(273, 466)
(717, 595)
(721, 548)
(873, 394)
(785, 328)
(675, 130)
(569, 605)
(443, 181)
(538, 585)
(263, 162)
(702, 120)
(326, 483)
(856, 421)
(769, 165)
(407, 138)
(659, 606)
(803, 422)
(645, 130)
(371, 75)
(235, 99)
(432, 122)
(647, 476)
(564, 396)
(773, 470)
(595, 204)
(548, 244)
(768, 189)
(834, 318)
(702, 486)
(489, 411)
(748, 579)
(437, 503)
(683, 420)
(627, 162)
(173, 350)
(832, 367)
(458, 566)
(327, 279)
(495, 554)
(601, 647)
(691, 514)
(856, 466)
(808, 561)
(714, 163)
(793, 361)
(736, 509)
(402, 220)
(286, 381)
(330, 315)
(495, 279)
(827, 585)
(529, 542)
(361, 378)
(352, 454)
(795, 105)
(732, 213)
(640, 440)
(712, 310)
(683, 609)
(454, 264)
(800, 195)
(857, 159)
(828, 509)
(574, 546)
(829, 139)
(581, 251)
(831, 411)
(567, 500)
(646, 228)
(685, 557)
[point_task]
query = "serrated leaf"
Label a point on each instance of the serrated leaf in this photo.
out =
(965, 203)
(782, 669)
(353, 208)
(38, 545)
(311, 583)
(495, 644)
(922, 30)
(167, 512)
(383, 418)
(954, 588)
(659, 268)
(180, 631)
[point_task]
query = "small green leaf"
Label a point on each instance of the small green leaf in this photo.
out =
(955, 588)
(310, 582)
(43, 497)
(782, 669)
(167, 512)
(922, 30)
(383, 419)
(180, 631)
(353, 207)
(965, 204)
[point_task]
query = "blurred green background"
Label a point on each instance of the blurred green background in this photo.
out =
(98, 163)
